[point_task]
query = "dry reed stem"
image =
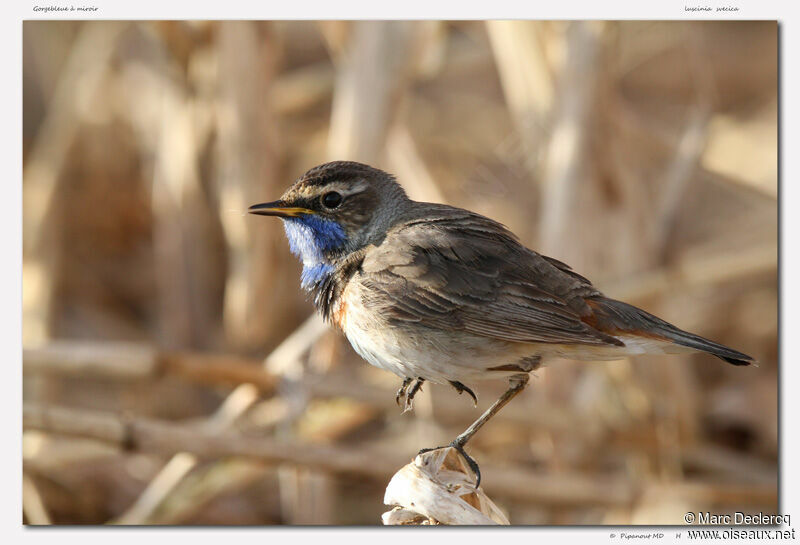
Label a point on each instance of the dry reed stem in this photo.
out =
(439, 486)
(176, 187)
(248, 172)
(567, 151)
(158, 489)
(86, 65)
(132, 362)
(236, 404)
(409, 167)
(677, 176)
(369, 82)
(160, 437)
(524, 74)
(32, 503)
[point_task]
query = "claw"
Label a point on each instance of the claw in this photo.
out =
(460, 388)
(473, 465)
(417, 387)
(516, 384)
(401, 393)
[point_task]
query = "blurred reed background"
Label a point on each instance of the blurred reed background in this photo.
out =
(642, 153)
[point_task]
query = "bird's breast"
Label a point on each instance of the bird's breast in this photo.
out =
(340, 307)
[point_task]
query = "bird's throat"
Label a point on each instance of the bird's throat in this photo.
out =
(314, 275)
(313, 240)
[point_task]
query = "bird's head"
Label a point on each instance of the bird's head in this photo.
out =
(335, 209)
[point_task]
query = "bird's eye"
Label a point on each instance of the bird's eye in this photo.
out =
(332, 199)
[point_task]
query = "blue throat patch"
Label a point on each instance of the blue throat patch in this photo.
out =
(309, 238)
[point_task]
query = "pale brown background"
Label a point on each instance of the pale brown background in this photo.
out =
(642, 153)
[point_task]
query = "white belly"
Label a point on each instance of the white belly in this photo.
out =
(440, 356)
(437, 356)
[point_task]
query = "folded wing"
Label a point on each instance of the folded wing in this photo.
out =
(457, 270)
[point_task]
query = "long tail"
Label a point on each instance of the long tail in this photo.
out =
(615, 317)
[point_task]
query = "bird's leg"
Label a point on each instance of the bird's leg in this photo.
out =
(401, 393)
(409, 403)
(516, 384)
(460, 388)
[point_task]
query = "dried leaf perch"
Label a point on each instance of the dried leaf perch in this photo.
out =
(438, 488)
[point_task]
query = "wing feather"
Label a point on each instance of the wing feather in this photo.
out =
(462, 271)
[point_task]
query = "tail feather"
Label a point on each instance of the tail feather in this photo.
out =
(616, 317)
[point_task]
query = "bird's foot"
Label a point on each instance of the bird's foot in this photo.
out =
(460, 388)
(401, 393)
(407, 394)
(473, 465)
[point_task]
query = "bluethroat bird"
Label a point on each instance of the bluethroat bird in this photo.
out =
(437, 293)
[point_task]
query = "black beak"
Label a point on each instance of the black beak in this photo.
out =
(280, 209)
